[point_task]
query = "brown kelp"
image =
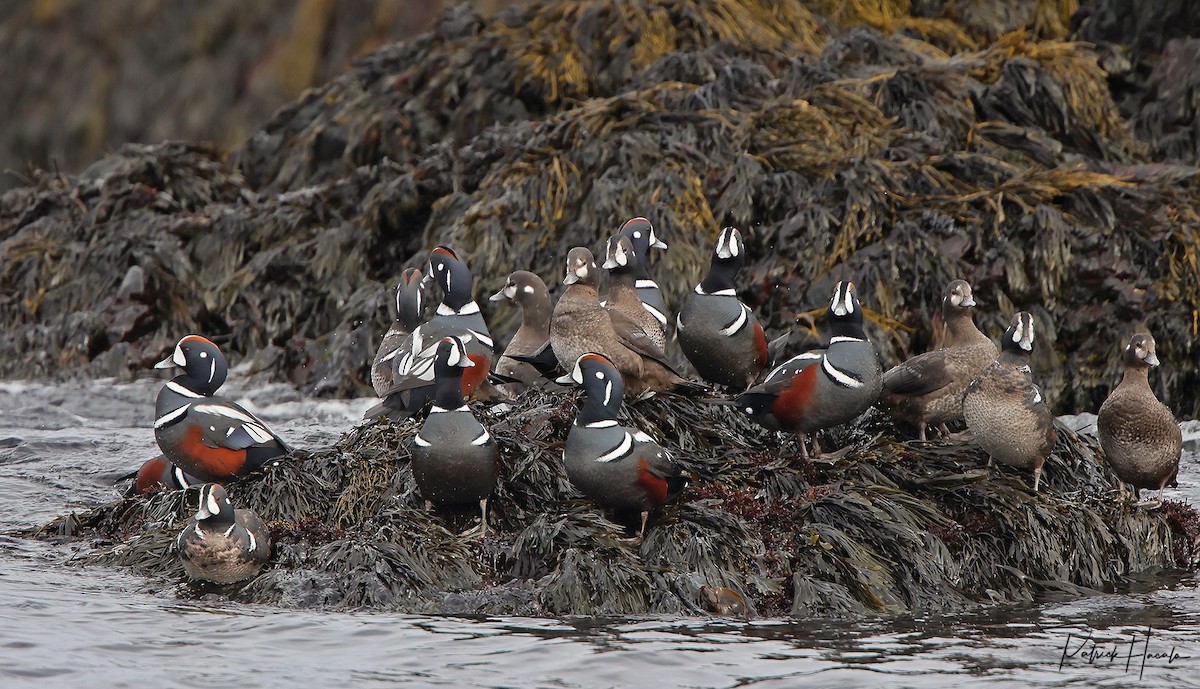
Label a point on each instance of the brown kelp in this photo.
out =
(880, 526)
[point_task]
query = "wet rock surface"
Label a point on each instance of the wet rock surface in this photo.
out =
(889, 527)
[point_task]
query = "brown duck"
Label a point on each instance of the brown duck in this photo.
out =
(530, 293)
(579, 325)
(928, 388)
(1137, 432)
(622, 264)
(1005, 410)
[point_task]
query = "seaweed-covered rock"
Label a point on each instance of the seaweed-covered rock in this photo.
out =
(888, 527)
(898, 144)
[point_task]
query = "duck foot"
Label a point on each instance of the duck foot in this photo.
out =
(830, 457)
(1149, 503)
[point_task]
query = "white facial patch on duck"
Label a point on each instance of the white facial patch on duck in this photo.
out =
(727, 245)
(213, 505)
(510, 291)
(738, 323)
(843, 306)
(619, 451)
(608, 388)
(212, 369)
(178, 357)
(838, 376)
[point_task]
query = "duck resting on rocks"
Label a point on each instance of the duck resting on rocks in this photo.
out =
(821, 388)
(1006, 411)
(1138, 433)
(618, 467)
(927, 389)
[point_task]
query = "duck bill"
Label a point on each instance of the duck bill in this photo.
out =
(166, 363)
(659, 244)
(1152, 359)
(570, 279)
(609, 264)
(565, 380)
(498, 296)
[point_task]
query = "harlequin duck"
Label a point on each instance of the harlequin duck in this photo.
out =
(457, 315)
(454, 458)
(1138, 433)
(622, 263)
(641, 234)
(719, 334)
(619, 468)
(928, 388)
(530, 293)
(821, 388)
(1005, 410)
(580, 325)
(158, 474)
(410, 307)
(222, 544)
(209, 437)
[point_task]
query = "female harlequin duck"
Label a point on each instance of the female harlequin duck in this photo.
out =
(530, 293)
(928, 388)
(824, 387)
(410, 308)
(222, 544)
(457, 315)
(719, 334)
(580, 325)
(209, 437)
(1137, 432)
(159, 474)
(622, 263)
(454, 458)
(619, 468)
(1005, 410)
(641, 234)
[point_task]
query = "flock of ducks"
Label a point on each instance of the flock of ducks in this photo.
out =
(615, 348)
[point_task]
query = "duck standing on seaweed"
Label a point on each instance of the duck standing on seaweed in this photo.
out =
(457, 315)
(580, 325)
(718, 334)
(927, 389)
(619, 468)
(454, 458)
(532, 337)
(410, 308)
(208, 437)
(622, 264)
(1138, 433)
(1005, 410)
(641, 234)
(222, 544)
(821, 388)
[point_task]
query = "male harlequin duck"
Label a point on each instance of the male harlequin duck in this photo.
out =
(719, 334)
(927, 389)
(410, 307)
(209, 437)
(821, 388)
(580, 325)
(1005, 410)
(619, 468)
(458, 315)
(1137, 432)
(222, 544)
(159, 474)
(622, 263)
(530, 293)
(454, 458)
(641, 234)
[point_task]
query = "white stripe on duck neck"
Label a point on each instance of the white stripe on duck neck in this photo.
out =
(729, 292)
(445, 310)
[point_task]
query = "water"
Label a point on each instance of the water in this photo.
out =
(64, 625)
